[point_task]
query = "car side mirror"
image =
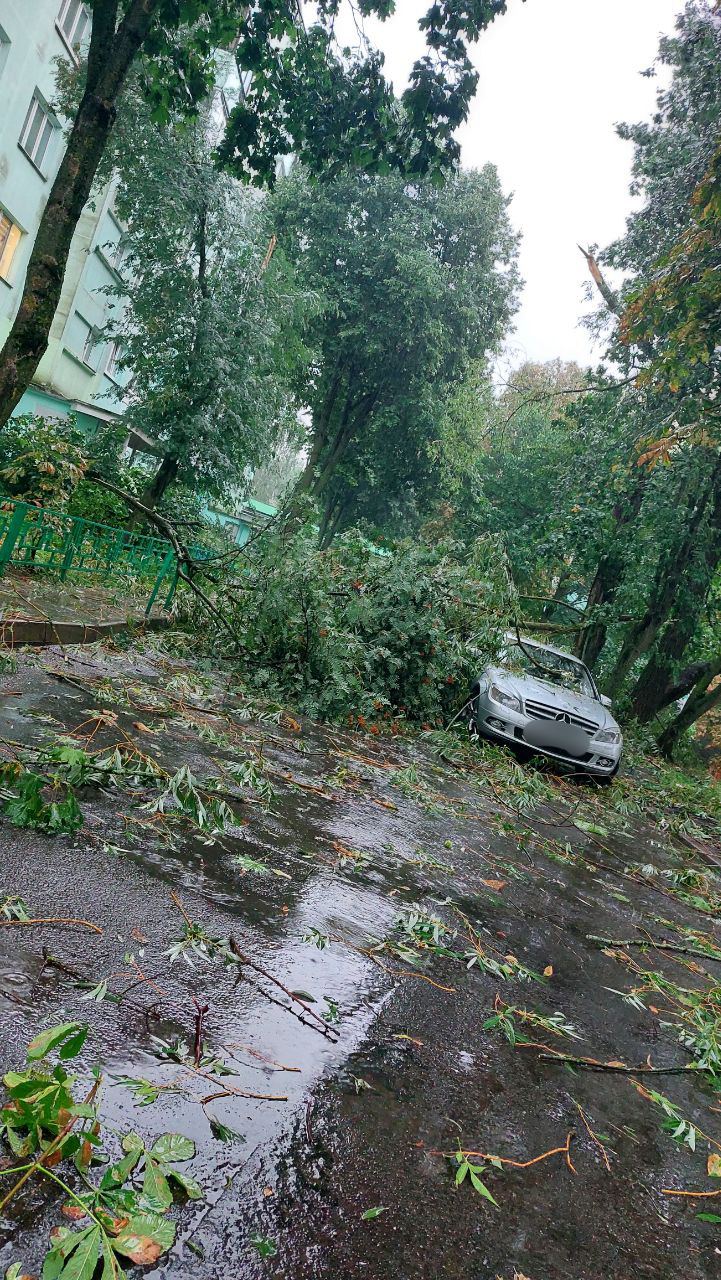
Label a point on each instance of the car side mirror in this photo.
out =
(605, 702)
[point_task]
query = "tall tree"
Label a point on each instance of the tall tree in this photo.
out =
(416, 282)
(210, 328)
(303, 98)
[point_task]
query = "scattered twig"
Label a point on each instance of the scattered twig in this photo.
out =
(515, 1164)
(594, 1136)
(652, 942)
(252, 964)
(262, 1057)
(667, 1191)
(591, 1064)
(86, 924)
(181, 908)
(200, 1012)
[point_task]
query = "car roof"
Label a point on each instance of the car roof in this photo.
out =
(540, 644)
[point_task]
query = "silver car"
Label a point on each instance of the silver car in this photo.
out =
(546, 700)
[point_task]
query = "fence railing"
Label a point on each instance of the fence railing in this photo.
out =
(38, 538)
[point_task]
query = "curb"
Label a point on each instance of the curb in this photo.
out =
(19, 631)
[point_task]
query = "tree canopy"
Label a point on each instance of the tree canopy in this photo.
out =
(415, 285)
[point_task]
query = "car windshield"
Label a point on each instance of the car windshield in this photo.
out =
(556, 668)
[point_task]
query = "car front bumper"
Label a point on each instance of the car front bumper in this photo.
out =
(502, 724)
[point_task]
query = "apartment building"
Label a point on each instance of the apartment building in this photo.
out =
(78, 373)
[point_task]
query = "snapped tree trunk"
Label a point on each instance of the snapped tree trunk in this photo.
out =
(670, 572)
(110, 58)
(649, 693)
(699, 701)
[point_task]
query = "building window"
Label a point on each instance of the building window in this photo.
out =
(37, 131)
(10, 235)
(115, 352)
(4, 48)
(82, 341)
(72, 23)
(89, 343)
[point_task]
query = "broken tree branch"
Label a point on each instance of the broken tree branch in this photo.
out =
(609, 297)
(182, 553)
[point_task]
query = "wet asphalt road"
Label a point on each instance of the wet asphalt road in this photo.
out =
(371, 1108)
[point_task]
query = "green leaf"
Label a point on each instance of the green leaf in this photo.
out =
(481, 1189)
(223, 1133)
(590, 827)
(50, 1039)
(709, 1217)
(192, 1189)
(111, 1270)
(131, 1142)
(141, 1229)
(266, 1248)
(374, 1213)
(173, 1146)
(156, 1191)
(118, 1173)
(84, 1257)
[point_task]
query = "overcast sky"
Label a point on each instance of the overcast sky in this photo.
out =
(555, 77)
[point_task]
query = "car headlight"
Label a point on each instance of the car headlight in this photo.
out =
(608, 735)
(505, 699)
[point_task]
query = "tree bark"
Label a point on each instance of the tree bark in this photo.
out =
(609, 297)
(163, 478)
(685, 682)
(110, 57)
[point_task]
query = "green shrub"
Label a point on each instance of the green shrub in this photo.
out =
(42, 459)
(348, 633)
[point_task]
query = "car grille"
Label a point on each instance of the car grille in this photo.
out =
(541, 711)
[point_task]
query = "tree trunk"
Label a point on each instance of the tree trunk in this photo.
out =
(701, 700)
(331, 444)
(649, 690)
(609, 574)
(163, 478)
(649, 694)
(685, 682)
(110, 58)
(668, 576)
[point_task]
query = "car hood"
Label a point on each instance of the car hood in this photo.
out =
(525, 686)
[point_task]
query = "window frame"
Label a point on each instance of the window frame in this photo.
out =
(9, 242)
(91, 341)
(110, 368)
(46, 130)
(70, 37)
(4, 48)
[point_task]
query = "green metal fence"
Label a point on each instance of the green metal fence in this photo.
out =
(38, 538)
